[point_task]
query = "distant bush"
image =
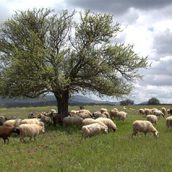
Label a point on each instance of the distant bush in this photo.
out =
(127, 102)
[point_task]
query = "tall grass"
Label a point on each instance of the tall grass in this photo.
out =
(61, 149)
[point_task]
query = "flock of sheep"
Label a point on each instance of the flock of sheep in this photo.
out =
(101, 121)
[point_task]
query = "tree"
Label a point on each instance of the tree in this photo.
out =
(153, 101)
(44, 52)
(126, 102)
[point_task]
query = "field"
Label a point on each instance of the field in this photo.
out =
(61, 149)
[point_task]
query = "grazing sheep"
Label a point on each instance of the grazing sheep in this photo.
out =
(121, 115)
(152, 118)
(113, 112)
(30, 121)
(106, 114)
(169, 111)
(98, 114)
(158, 113)
(74, 112)
(53, 111)
(46, 119)
(30, 130)
(84, 113)
(93, 129)
(6, 131)
(2, 120)
(31, 115)
(164, 110)
(169, 122)
(103, 110)
(141, 111)
(148, 111)
(108, 122)
(89, 121)
(72, 120)
(145, 127)
(12, 122)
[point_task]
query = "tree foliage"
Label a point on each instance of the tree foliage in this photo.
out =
(127, 102)
(153, 101)
(42, 51)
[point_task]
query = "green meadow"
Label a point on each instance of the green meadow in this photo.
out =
(61, 149)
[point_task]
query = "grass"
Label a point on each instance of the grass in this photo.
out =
(63, 150)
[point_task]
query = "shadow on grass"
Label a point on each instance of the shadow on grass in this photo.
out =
(68, 130)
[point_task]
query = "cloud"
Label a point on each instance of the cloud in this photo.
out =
(116, 6)
(163, 42)
(3, 12)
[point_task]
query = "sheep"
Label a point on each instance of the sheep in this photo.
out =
(121, 115)
(93, 129)
(12, 122)
(169, 111)
(106, 114)
(72, 120)
(145, 127)
(74, 112)
(141, 111)
(148, 111)
(46, 119)
(108, 122)
(2, 120)
(84, 113)
(152, 118)
(30, 130)
(6, 131)
(98, 114)
(158, 113)
(103, 110)
(30, 121)
(53, 111)
(89, 121)
(169, 122)
(113, 112)
(31, 115)
(164, 110)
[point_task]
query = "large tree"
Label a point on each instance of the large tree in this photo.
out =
(61, 53)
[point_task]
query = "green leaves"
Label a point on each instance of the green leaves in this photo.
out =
(43, 51)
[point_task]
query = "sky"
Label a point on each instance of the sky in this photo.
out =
(146, 24)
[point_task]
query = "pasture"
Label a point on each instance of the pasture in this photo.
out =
(61, 149)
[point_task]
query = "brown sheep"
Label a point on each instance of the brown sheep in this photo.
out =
(6, 131)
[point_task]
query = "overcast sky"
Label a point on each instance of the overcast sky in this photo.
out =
(147, 24)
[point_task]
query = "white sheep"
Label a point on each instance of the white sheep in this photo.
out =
(84, 113)
(108, 122)
(30, 121)
(164, 110)
(145, 127)
(12, 122)
(74, 112)
(106, 114)
(89, 121)
(93, 129)
(141, 111)
(103, 110)
(169, 122)
(121, 115)
(72, 120)
(113, 112)
(98, 114)
(152, 118)
(30, 130)
(158, 113)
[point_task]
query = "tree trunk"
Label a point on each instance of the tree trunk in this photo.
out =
(62, 103)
